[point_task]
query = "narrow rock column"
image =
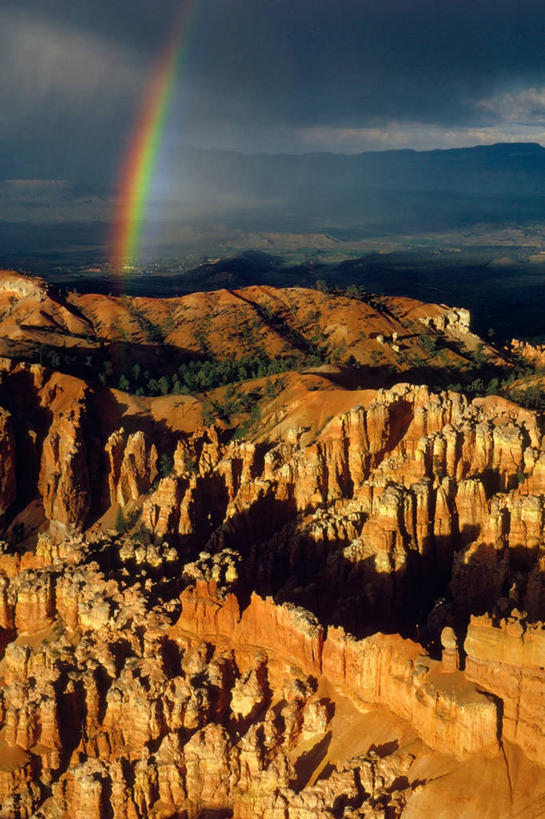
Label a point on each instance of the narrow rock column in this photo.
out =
(450, 658)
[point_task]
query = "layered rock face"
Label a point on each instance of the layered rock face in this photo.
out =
(113, 706)
(339, 618)
(383, 669)
(110, 707)
(132, 466)
(506, 656)
(8, 486)
(141, 682)
(415, 487)
(46, 444)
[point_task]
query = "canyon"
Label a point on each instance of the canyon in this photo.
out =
(315, 591)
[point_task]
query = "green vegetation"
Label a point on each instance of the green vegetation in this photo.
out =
(238, 402)
(531, 396)
(120, 522)
(429, 343)
(125, 523)
(166, 464)
(246, 426)
(200, 376)
(116, 368)
(203, 375)
(153, 333)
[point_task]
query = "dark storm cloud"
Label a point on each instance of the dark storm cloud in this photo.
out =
(267, 75)
(313, 61)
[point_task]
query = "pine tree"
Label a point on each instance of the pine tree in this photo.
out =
(120, 523)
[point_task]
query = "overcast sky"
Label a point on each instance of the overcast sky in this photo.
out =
(267, 75)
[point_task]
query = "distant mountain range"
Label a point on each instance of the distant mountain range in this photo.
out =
(347, 196)
(387, 191)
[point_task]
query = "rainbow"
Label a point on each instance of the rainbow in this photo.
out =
(140, 160)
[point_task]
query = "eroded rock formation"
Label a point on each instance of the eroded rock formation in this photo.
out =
(337, 614)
